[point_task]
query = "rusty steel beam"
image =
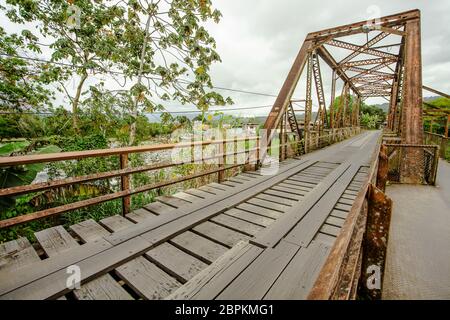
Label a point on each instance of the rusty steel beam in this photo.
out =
(367, 62)
(328, 58)
(361, 49)
(436, 91)
(321, 113)
(371, 71)
(387, 21)
(374, 78)
(285, 94)
(412, 125)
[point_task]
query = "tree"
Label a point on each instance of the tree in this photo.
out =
(22, 84)
(147, 59)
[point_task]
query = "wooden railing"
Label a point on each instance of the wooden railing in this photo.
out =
(252, 154)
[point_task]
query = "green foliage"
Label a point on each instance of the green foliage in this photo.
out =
(369, 121)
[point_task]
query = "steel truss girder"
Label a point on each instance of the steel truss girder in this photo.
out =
(361, 49)
(367, 62)
(321, 114)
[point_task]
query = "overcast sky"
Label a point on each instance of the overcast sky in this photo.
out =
(259, 39)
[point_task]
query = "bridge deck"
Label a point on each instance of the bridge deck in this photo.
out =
(255, 236)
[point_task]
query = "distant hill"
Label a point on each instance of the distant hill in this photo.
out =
(385, 106)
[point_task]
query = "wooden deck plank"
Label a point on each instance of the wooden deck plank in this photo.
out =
(172, 201)
(338, 222)
(183, 219)
(339, 214)
(17, 253)
(283, 195)
(268, 204)
(202, 248)
(304, 232)
(220, 234)
(209, 283)
(237, 224)
(159, 208)
(275, 232)
(297, 279)
(175, 262)
(331, 230)
(187, 197)
(343, 207)
(199, 193)
(89, 230)
(299, 184)
(102, 288)
(55, 240)
(140, 215)
(250, 217)
(219, 187)
(211, 190)
(299, 178)
(259, 276)
(259, 210)
(149, 281)
(116, 223)
(346, 201)
(289, 189)
(276, 199)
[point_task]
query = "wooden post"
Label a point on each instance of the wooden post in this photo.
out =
(125, 184)
(411, 170)
(222, 160)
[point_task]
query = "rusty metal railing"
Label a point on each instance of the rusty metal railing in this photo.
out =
(440, 140)
(252, 157)
(426, 156)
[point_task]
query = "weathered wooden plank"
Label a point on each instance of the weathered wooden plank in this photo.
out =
(351, 192)
(220, 234)
(282, 196)
(231, 183)
(300, 178)
(211, 190)
(208, 283)
(11, 280)
(345, 201)
(250, 176)
(172, 201)
(199, 193)
(183, 219)
(116, 223)
(259, 276)
(55, 240)
(250, 217)
(89, 230)
(268, 204)
(159, 208)
(303, 233)
(17, 253)
(275, 232)
(301, 185)
(343, 207)
(149, 281)
(259, 210)
(218, 186)
(187, 197)
(276, 199)
(338, 222)
(102, 288)
(339, 213)
(324, 238)
(237, 224)
(290, 189)
(331, 230)
(140, 215)
(298, 278)
(175, 262)
(200, 247)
